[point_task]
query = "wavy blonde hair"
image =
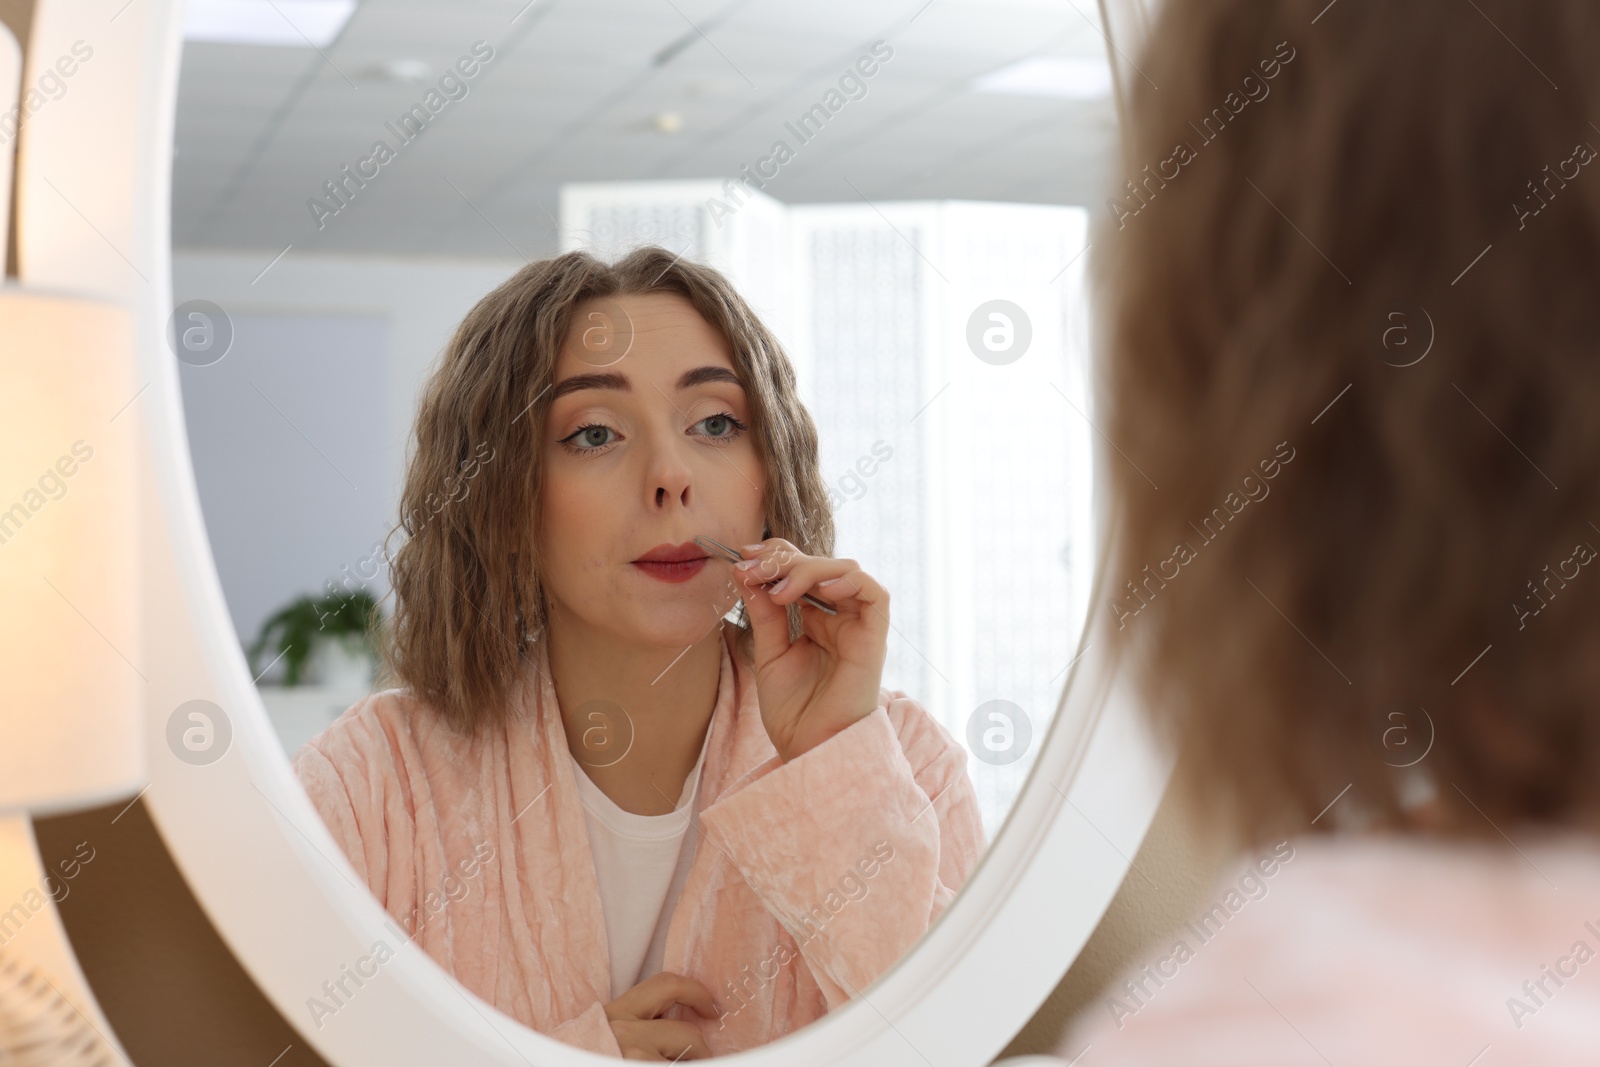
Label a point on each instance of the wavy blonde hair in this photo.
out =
(1404, 171)
(466, 586)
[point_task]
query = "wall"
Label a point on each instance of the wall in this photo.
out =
(294, 461)
(422, 298)
(298, 433)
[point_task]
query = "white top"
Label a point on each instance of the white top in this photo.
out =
(642, 862)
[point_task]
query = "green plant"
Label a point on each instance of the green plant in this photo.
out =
(294, 630)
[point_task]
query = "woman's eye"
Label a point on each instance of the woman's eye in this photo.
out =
(723, 426)
(588, 438)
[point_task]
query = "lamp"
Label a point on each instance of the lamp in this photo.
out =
(71, 694)
(70, 686)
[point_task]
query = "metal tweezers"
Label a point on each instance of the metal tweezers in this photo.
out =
(733, 557)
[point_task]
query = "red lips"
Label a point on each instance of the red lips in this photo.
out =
(673, 563)
(673, 553)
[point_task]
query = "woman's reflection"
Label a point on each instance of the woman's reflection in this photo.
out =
(616, 815)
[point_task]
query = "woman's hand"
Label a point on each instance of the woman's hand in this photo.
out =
(830, 676)
(643, 1036)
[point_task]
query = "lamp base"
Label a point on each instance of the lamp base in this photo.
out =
(47, 1014)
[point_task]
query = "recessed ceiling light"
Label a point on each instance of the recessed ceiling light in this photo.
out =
(1078, 79)
(406, 71)
(296, 23)
(715, 86)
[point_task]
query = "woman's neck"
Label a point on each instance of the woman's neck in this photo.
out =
(635, 716)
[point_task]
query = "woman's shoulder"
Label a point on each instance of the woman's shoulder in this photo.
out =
(1426, 942)
(387, 729)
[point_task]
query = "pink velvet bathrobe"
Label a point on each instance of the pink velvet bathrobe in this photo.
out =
(790, 907)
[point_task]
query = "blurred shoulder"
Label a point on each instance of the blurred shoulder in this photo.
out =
(1353, 935)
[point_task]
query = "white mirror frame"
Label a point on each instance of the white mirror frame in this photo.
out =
(93, 188)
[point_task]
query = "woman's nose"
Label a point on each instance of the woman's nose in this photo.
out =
(663, 495)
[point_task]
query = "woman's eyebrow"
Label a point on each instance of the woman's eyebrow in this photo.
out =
(612, 380)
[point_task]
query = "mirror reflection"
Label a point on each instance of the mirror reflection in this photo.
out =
(647, 455)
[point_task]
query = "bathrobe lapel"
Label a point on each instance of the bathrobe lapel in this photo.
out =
(720, 928)
(737, 748)
(577, 945)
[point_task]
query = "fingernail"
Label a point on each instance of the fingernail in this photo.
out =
(745, 565)
(754, 548)
(778, 587)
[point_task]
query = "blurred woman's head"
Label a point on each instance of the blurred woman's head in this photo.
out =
(1351, 304)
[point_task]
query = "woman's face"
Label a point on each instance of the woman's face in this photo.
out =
(642, 453)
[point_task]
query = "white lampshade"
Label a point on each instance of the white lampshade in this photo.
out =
(71, 683)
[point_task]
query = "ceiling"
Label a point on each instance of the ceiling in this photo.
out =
(576, 91)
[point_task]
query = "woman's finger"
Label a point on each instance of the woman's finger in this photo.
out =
(676, 1039)
(769, 622)
(789, 573)
(769, 560)
(663, 989)
(692, 993)
(660, 1039)
(833, 580)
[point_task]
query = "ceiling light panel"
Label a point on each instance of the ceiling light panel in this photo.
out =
(285, 23)
(1059, 76)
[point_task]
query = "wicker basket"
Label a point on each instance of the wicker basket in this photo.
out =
(39, 1027)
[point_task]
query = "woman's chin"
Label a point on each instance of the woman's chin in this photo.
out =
(675, 626)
